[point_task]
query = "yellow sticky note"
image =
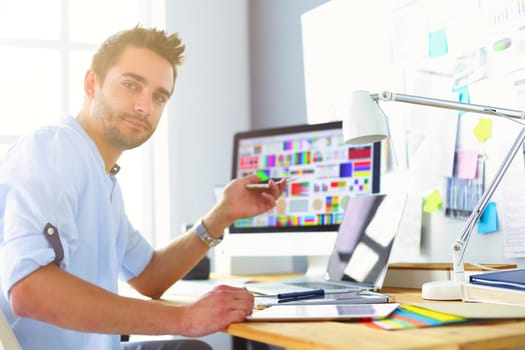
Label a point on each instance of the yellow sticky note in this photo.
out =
(433, 202)
(483, 131)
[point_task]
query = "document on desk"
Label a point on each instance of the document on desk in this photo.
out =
(476, 310)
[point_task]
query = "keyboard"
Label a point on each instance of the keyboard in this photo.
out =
(289, 286)
(323, 285)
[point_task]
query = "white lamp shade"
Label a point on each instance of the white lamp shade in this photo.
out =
(366, 122)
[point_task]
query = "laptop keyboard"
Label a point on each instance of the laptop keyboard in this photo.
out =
(322, 285)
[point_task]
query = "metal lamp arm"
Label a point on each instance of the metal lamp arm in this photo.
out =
(459, 247)
(459, 106)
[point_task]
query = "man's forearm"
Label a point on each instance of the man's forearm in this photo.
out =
(170, 264)
(54, 296)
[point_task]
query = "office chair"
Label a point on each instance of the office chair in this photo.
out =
(8, 340)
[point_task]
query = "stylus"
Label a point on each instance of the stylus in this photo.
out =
(266, 185)
(301, 295)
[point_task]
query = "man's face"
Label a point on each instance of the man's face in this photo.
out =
(128, 104)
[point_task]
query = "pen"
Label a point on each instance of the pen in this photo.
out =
(288, 179)
(292, 178)
(301, 295)
(266, 185)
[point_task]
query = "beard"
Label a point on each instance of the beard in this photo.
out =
(112, 130)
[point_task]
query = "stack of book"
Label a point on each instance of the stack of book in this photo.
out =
(502, 287)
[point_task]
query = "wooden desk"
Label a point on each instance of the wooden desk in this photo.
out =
(350, 335)
(353, 335)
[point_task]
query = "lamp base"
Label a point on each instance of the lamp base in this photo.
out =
(441, 290)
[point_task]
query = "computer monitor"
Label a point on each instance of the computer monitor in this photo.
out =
(306, 218)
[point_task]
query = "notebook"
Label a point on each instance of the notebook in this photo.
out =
(512, 278)
(359, 260)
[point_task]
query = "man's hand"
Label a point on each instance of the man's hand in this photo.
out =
(216, 310)
(239, 202)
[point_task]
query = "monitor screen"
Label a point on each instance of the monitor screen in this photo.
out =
(326, 173)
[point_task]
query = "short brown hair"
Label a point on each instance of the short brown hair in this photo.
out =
(169, 47)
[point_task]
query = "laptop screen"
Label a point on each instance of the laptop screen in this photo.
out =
(365, 239)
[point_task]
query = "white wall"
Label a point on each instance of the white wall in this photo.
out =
(211, 101)
(276, 58)
(348, 47)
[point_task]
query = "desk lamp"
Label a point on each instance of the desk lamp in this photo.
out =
(367, 123)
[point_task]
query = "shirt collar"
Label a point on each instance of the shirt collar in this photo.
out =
(72, 122)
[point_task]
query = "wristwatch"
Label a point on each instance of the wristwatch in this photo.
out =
(205, 236)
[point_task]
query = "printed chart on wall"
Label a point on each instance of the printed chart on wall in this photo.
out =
(512, 203)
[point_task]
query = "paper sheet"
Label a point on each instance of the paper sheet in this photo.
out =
(476, 310)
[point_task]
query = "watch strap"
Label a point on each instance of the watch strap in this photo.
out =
(205, 236)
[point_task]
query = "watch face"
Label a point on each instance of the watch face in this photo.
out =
(212, 242)
(208, 239)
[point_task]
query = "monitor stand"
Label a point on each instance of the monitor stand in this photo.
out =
(317, 265)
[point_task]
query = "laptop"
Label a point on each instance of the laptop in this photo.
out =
(359, 260)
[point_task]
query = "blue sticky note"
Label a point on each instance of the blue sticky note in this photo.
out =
(488, 222)
(437, 43)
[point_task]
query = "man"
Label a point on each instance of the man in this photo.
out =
(65, 236)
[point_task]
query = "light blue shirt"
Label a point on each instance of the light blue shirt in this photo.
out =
(56, 175)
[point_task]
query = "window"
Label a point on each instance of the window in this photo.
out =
(46, 48)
